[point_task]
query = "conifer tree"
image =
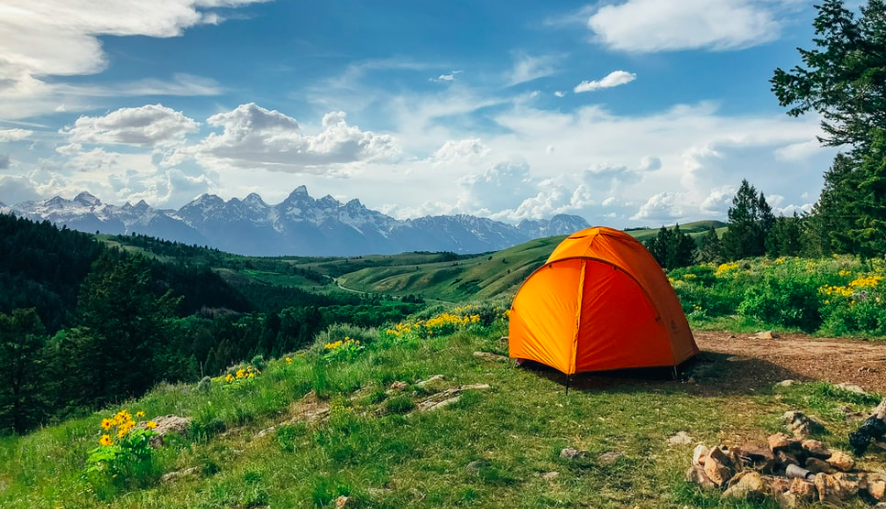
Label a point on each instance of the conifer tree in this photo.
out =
(750, 221)
(710, 247)
(22, 395)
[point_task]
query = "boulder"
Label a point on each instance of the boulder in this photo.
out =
(570, 453)
(166, 425)
(759, 458)
(816, 449)
(786, 383)
(841, 461)
(836, 488)
(717, 467)
(780, 442)
(803, 490)
(786, 458)
(398, 386)
(696, 474)
(476, 465)
(699, 454)
(175, 476)
(816, 465)
(874, 485)
(493, 357)
(765, 335)
(343, 502)
(776, 484)
(801, 425)
(851, 388)
(750, 486)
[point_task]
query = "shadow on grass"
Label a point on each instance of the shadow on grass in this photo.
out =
(707, 374)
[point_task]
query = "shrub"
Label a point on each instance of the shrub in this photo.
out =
(124, 454)
(785, 302)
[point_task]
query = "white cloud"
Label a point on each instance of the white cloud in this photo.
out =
(614, 79)
(15, 189)
(792, 209)
(7, 135)
(146, 126)
(650, 163)
(4, 161)
(500, 187)
(604, 176)
(61, 38)
(470, 150)
(559, 93)
(672, 25)
(798, 151)
(254, 137)
(447, 77)
(718, 200)
(661, 207)
(529, 68)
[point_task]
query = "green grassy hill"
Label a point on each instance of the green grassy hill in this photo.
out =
(307, 430)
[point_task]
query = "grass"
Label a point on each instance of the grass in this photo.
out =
(374, 448)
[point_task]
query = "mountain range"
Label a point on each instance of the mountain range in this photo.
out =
(299, 225)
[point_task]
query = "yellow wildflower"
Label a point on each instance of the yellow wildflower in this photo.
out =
(106, 423)
(105, 441)
(151, 424)
(140, 414)
(289, 359)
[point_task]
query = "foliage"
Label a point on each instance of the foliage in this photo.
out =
(124, 453)
(344, 349)
(844, 77)
(672, 248)
(23, 398)
(839, 295)
(751, 220)
(710, 249)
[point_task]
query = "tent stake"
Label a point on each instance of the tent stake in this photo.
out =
(567, 391)
(674, 372)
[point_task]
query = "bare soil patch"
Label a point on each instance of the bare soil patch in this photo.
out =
(799, 357)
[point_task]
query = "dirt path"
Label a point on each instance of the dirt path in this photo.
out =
(800, 357)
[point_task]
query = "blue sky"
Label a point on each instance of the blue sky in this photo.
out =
(631, 112)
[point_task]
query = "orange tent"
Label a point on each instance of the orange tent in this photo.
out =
(600, 302)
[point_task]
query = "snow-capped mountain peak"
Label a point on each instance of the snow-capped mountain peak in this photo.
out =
(299, 225)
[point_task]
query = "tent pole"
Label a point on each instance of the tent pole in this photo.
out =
(674, 372)
(567, 391)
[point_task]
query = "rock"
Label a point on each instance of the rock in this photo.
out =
(873, 484)
(780, 441)
(166, 425)
(487, 356)
(785, 383)
(816, 449)
(776, 484)
(699, 454)
(398, 386)
(175, 476)
(503, 339)
(476, 465)
(758, 458)
(876, 489)
(816, 465)
(434, 378)
(835, 489)
(805, 491)
(445, 398)
(265, 432)
(851, 388)
(717, 467)
(342, 502)
(608, 458)
(572, 453)
(750, 486)
(801, 425)
(765, 335)
(842, 461)
(785, 458)
(680, 438)
(549, 476)
(787, 500)
(696, 474)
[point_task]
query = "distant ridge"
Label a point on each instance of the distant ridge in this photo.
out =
(299, 225)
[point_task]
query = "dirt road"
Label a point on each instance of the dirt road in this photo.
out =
(800, 357)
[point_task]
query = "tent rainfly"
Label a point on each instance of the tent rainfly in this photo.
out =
(600, 302)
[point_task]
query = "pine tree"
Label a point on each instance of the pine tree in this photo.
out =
(672, 248)
(710, 247)
(22, 393)
(785, 239)
(750, 221)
